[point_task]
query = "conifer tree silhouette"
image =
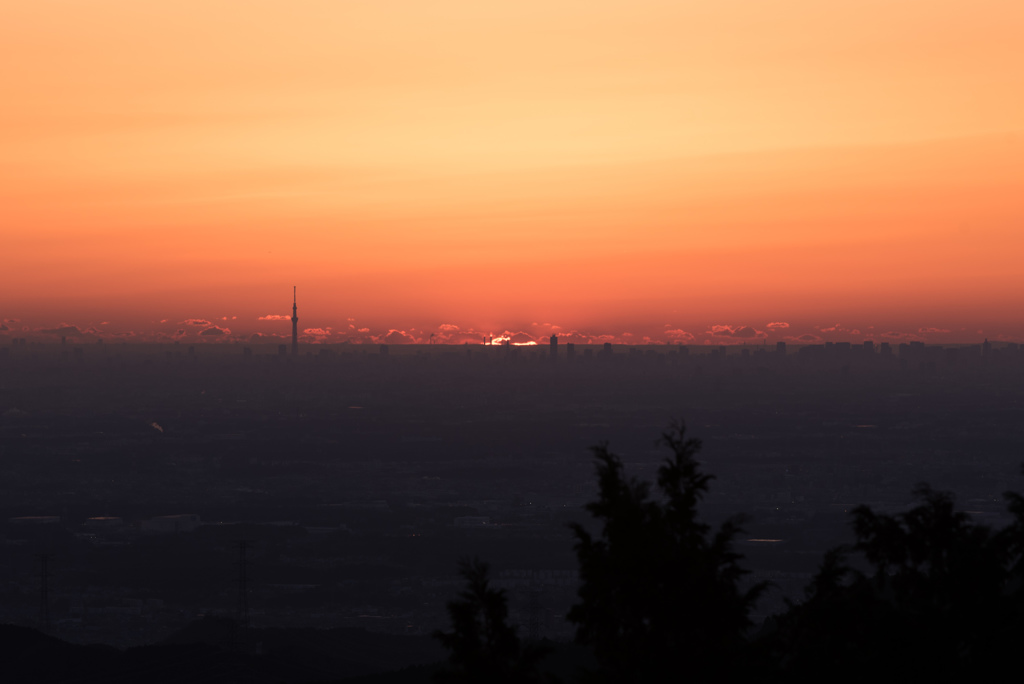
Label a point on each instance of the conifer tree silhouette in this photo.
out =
(940, 599)
(482, 646)
(659, 596)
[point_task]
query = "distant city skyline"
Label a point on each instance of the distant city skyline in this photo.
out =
(278, 328)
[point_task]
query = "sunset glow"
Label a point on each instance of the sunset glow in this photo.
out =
(652, 171)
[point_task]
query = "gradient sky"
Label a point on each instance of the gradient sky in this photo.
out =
(674, 170)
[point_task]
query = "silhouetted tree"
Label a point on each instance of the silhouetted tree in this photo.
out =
(940, 599)
(659, 594)
(482, 646)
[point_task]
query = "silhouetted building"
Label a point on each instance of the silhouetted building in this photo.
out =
(869, 346)
(570, 351)
(780, 348)
(553, 346)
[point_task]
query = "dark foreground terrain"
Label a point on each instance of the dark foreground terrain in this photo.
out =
(358, 479)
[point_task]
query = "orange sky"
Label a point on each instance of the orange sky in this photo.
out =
(603, 167)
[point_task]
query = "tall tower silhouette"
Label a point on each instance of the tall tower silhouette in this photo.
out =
(295, 325)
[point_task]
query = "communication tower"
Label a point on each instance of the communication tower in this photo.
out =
(295, 324)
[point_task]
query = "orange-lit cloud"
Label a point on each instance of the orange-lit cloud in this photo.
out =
(317, 334)
(267, 337)
(679, 335)
(63, 329)
(737, 333)
(806, 338)
(396, 337)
